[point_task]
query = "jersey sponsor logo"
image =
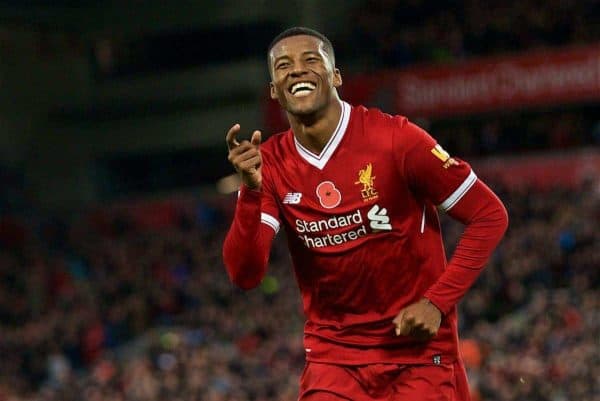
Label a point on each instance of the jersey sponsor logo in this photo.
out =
(444, 156)
(332, 223)
(366, 178)
(378, 219)
(292, 198)
(345, 228)
(329, 196)
(314, 233)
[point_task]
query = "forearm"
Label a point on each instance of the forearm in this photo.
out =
(247, 244)
(486, 221)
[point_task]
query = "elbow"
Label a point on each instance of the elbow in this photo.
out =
(504, 220)
(497, 222)
(243, 280)
(245, 283)
(244, 275)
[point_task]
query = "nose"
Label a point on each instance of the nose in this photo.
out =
(298, 69)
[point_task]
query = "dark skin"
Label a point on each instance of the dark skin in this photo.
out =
(313, 117)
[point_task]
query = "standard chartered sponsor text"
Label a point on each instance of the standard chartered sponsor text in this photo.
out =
(332, 223)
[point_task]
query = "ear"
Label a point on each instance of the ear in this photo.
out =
(337, 78)
(273, 91)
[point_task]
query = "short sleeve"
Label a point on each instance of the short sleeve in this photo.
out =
(429, 170)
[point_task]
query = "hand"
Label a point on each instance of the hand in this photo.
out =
(245, 157)
(420, 320)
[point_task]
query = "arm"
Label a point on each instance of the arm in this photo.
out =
(451, 184)
(486, 221)
(248, 241)
(247, 244)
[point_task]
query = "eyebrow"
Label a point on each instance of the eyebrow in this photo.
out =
(285, 56)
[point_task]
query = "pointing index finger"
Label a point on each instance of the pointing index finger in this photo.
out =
(231, 134)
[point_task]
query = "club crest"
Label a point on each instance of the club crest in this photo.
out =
(366, 179)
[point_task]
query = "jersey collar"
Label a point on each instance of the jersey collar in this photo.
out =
(320, 160)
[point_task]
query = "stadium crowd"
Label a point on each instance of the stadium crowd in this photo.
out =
(132, 314)
(458, 29)
(531, 131)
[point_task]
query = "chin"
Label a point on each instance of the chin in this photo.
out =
(303, 110)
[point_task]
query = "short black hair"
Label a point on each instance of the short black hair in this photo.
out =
(300, 30)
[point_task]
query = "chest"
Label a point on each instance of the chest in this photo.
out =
(358, 183)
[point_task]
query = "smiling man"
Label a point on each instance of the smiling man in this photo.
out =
(357, 192)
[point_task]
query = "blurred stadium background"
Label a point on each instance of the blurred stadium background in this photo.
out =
(112, 120)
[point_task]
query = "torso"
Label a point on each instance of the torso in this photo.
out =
(363, 244)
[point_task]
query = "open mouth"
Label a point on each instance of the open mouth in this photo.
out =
(300, 89)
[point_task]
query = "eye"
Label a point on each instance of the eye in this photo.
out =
(312, 59)
(282, 65)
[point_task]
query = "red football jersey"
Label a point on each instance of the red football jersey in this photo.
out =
(363, 231)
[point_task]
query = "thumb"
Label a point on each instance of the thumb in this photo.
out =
(256, 138)
(398, 322)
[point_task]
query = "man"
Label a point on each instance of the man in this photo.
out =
(357, 191)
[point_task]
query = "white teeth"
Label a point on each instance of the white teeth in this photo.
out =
(302, 93)
(303, 86)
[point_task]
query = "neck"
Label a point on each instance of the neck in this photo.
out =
(313, 131)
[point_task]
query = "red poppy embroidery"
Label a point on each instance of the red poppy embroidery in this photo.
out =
(328, 194)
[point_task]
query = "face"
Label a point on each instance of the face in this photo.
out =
(303, 76)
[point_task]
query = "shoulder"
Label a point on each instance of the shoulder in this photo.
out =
(396, 127)
(403, 133)
(374, 116)
(403, 129)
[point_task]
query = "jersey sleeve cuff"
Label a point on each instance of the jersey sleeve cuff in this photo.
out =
(442, 307)
(246, 192)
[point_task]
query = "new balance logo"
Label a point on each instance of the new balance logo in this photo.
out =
(379, 220)
(292, 198)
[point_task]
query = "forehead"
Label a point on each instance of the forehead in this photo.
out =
(297, 45)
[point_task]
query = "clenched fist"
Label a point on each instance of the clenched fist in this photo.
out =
(420, 320)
